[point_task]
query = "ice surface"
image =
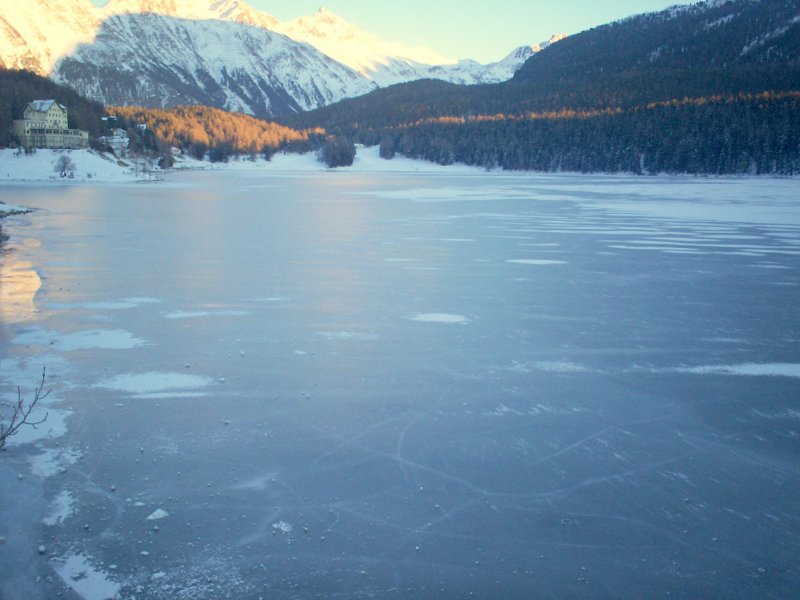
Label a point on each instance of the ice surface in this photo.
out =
(359, 394)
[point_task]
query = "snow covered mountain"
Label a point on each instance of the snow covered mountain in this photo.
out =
(161, 61)
(35, 37)
(223, 53)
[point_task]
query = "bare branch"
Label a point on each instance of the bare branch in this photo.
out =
(21, 412)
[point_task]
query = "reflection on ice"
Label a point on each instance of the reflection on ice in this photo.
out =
(18, 286)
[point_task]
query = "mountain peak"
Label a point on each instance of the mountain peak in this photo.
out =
(225, 10)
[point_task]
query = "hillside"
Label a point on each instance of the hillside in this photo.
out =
(200, 129)
(709, 88)
(20, 87)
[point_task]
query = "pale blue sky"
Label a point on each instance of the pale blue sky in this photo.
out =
(485, 30)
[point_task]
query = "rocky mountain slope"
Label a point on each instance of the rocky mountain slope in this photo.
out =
(222, 53)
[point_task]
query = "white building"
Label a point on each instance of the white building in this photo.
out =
(45, 125)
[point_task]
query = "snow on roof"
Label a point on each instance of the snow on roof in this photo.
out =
(44, 105)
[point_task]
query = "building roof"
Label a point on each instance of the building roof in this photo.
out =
(44, 105)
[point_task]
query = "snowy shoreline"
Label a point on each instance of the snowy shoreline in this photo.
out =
(88, 166)
(91, 167)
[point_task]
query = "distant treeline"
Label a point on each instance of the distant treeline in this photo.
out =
(746, 133)
(712, 122)
(18, 88)
(201, 130)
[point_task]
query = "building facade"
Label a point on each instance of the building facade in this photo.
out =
(118, 140)
(45, 125)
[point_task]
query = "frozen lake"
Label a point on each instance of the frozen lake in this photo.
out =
(343, 385)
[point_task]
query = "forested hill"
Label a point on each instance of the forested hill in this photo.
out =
(197, 129)
(709, 88)
(724, 35)
(201, 130)
(18, 88)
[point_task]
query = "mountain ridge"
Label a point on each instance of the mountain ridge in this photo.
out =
(312, 61)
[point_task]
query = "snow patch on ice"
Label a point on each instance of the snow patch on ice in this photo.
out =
(446, 318)
(746, 369)
(155, 384)
(348, 335)
(79, 574)
(110, 339)
(11, 209)
(536, 261)
(193, 314)
(503, 410)
(61, 508)
(552, 366)
(283, 527)
(53, 426)
(53, 460)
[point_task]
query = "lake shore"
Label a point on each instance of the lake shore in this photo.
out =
(98, 168)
